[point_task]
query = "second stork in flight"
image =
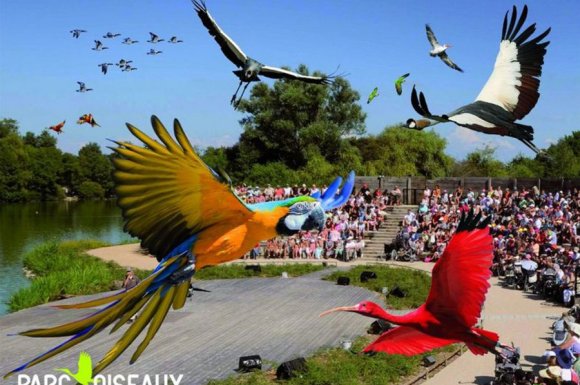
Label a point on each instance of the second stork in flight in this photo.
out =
(511, 91)
(250, 68)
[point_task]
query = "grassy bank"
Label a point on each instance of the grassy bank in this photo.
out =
(63, 269)
(415, 283)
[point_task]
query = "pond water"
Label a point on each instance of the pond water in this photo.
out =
(23, 226)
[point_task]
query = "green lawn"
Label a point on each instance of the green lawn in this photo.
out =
(239, 271)
(415, 283)
(340, 367)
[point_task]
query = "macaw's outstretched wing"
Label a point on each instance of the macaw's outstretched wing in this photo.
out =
(167, 193)
(168, 196)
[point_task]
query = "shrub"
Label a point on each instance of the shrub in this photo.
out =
(91, 190)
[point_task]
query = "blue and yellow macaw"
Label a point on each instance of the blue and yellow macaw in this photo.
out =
(186, 215)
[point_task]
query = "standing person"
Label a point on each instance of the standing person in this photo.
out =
(130, 281)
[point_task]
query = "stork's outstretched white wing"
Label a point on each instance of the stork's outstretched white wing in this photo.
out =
(228, 46)
(431, 36)
(514, 82)
(280, 73)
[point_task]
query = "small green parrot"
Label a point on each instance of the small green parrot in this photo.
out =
(84, 375)
(399, 83)
(373, 95)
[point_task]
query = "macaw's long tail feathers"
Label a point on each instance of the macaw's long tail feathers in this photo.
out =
(154, 295)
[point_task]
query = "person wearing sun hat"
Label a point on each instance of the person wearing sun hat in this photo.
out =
(559, 375)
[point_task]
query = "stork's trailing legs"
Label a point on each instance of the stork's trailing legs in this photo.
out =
(241, 95)
(233, 100)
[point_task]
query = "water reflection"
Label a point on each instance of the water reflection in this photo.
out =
(22, 226)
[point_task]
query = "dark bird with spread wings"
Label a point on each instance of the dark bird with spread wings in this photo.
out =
(511, 91)
(83, 87)
(439, 50)
(250, 68)
(77, 32)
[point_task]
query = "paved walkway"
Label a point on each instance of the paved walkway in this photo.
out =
(279, 319)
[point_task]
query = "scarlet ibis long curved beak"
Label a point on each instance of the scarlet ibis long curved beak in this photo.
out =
(340, 308)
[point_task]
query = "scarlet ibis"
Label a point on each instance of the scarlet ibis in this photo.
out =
(154, 38)
(99, 46)
(174, 40)
(399, 83)
(88, 118)
(154, 52)
(83, 87)
(458, 287)
(122, 63)
(439, 50)
(250, 68)
(511, 91)
(58, 127)
(105, 67)
(77, 32)
(129, 41)
(111, 35)
(374, 93)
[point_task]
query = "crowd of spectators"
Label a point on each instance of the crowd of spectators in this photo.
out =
(343, 235)
(530, 224)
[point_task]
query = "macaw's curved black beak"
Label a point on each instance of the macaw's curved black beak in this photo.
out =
(315, 220)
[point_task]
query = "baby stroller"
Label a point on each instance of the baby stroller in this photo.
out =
(508, 370)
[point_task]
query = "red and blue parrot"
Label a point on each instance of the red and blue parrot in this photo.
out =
(188, 216)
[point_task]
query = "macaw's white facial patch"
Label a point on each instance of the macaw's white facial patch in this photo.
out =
(295, 222)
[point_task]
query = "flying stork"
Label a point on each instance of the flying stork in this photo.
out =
(154, 38)
(439, 50)
(129, 41)
(99, 46)
(105, 67)
(111, 35)
(510, 92)
(83, 87)
(77, 32)
(174, 40)
(250, 68)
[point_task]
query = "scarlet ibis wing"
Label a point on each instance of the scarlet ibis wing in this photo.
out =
(407, 341)
(460, 277)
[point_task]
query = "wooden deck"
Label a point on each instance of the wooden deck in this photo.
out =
(276, 318)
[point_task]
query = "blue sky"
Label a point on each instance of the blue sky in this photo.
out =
(373, 41)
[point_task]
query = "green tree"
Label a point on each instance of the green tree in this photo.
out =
(563, 157)
(96, 167)
(69, 175)
(524, 167)
(398, 151)
(44, 166)
(91, 190)
(285, 120)
(8, 127)
(481, 162)
(14, 173)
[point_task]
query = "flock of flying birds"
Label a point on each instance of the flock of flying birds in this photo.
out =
(124, 65)
(510, 93)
